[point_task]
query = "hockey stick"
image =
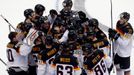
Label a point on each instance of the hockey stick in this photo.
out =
(112, 44)
(10, 26)
(57, 5)
(3, 62)
(111, 12)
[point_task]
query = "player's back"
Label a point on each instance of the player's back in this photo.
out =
(66, 64)
(66, 59)
(15, 58)
(95, 64)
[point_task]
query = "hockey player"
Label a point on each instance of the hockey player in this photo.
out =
(101, 38)
(57, 30)
(81, 24)
(17, 57)
(66, 63)
(68, 16)
(91, 38)
(95, 61)
(52, 16)
(66, 11)
(29, 16)
(46, 56)
(75, 46)
(83, 21)
(35, 54)
(39, 10)
(24, 27)
(32, 34)
(34, 31)
(29, 19)
(122, 37)
(94, 24)
(44, 25)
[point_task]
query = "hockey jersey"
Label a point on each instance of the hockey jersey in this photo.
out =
(123, 45)
(66, 65)
(47, 53)
(17, 57)
(95, 64)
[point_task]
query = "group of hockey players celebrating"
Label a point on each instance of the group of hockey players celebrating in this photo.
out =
(67, 43)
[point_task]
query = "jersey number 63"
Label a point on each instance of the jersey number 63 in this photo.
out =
(63, 69)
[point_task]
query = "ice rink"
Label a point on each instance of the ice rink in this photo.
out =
(12, 10)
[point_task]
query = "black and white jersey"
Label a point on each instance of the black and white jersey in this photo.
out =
(95, 64)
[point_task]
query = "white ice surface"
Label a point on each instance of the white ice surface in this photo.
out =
(100, 9)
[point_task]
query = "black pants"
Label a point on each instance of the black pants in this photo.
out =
(13, 72)
(124, 62)
(32, 70)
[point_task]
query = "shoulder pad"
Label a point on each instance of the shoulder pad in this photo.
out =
(10, 45)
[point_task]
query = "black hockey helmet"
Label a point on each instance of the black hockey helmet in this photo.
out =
(82, 15)
(53, 11)
(39, 8)
(67, 3)
(93, 22)
(88, 48)
(43, 19)
(12, 35)
(72, 35)
(56, 30)
(28, 12)
(67, 48)
(49, 40)
(125, 15)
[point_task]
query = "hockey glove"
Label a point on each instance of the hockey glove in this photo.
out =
(113, 35)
